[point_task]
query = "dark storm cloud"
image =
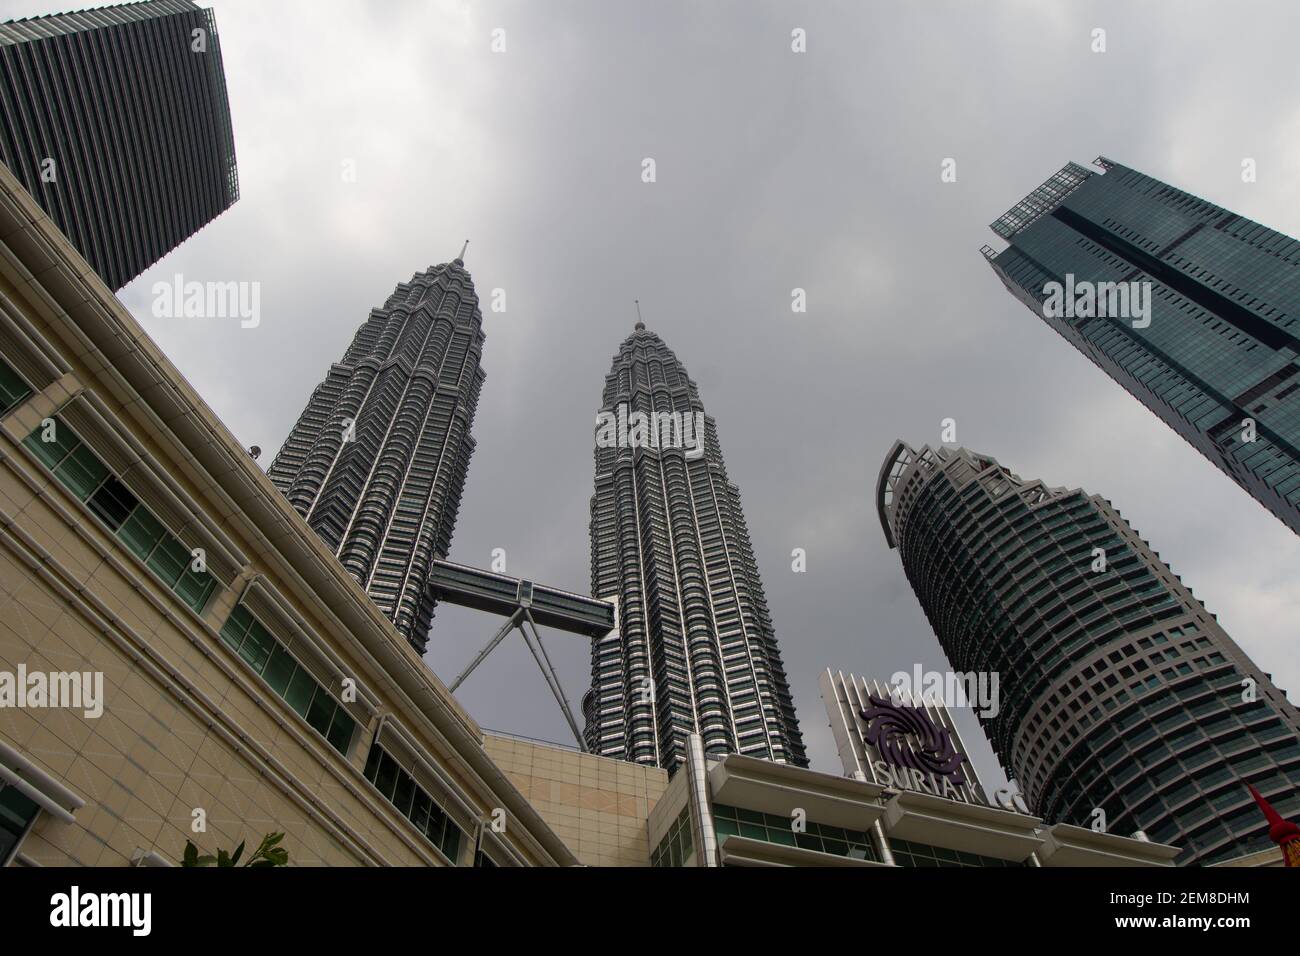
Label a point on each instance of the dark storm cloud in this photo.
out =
(775, 170)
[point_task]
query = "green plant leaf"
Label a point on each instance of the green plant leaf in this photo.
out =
(267, 854)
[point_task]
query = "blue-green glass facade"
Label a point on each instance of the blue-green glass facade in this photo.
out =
(1119, 691)
(1218, 359)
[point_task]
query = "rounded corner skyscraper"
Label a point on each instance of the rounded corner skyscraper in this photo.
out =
(1120, 691)
(695, 650)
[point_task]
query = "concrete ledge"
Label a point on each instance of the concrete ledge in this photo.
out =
(988, 831)
(743, 851)
(1066, 845)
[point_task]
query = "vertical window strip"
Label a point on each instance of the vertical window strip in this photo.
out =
(17, 813)
(677, 844)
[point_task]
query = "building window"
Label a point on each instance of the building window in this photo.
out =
(677, 846)
(12, 390)
(258, 648)
(400, 789)
(82, 472)
(17, 814)
(907, 853)
(819, 837)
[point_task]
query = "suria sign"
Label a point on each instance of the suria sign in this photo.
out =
(892, 736)
(915, 752)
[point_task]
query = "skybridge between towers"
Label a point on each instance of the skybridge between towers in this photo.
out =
(526, 606)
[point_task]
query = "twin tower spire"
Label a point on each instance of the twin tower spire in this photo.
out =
(377, 463)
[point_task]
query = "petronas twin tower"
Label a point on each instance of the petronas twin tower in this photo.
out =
(695, 651)
(377, 463)
(378, 458)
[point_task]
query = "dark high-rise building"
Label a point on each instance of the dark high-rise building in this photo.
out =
(377, 461)
(116, 121)
(1119, 691)
(695, 650)
(1215, 355)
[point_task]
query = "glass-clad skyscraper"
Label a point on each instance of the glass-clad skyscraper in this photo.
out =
(1119, 692)
(377, 461)
(1216, 354)
(116, 120)
(695, 650)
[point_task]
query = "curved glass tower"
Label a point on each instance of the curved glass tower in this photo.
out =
(695, 650)
(1119, 689)
(377, 461)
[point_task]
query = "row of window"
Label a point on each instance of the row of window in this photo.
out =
(401, 790)
(82, 472)
(908, 853)
(676, 846)
(775, 829)
(246, 636)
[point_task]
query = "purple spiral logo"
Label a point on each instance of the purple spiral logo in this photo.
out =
(907, 737)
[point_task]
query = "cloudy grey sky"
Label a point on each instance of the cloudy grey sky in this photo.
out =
(775, 170)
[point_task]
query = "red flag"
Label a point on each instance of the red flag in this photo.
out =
(1283, 832)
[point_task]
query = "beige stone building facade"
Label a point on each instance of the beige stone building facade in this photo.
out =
(598, 806)
(248, 683)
